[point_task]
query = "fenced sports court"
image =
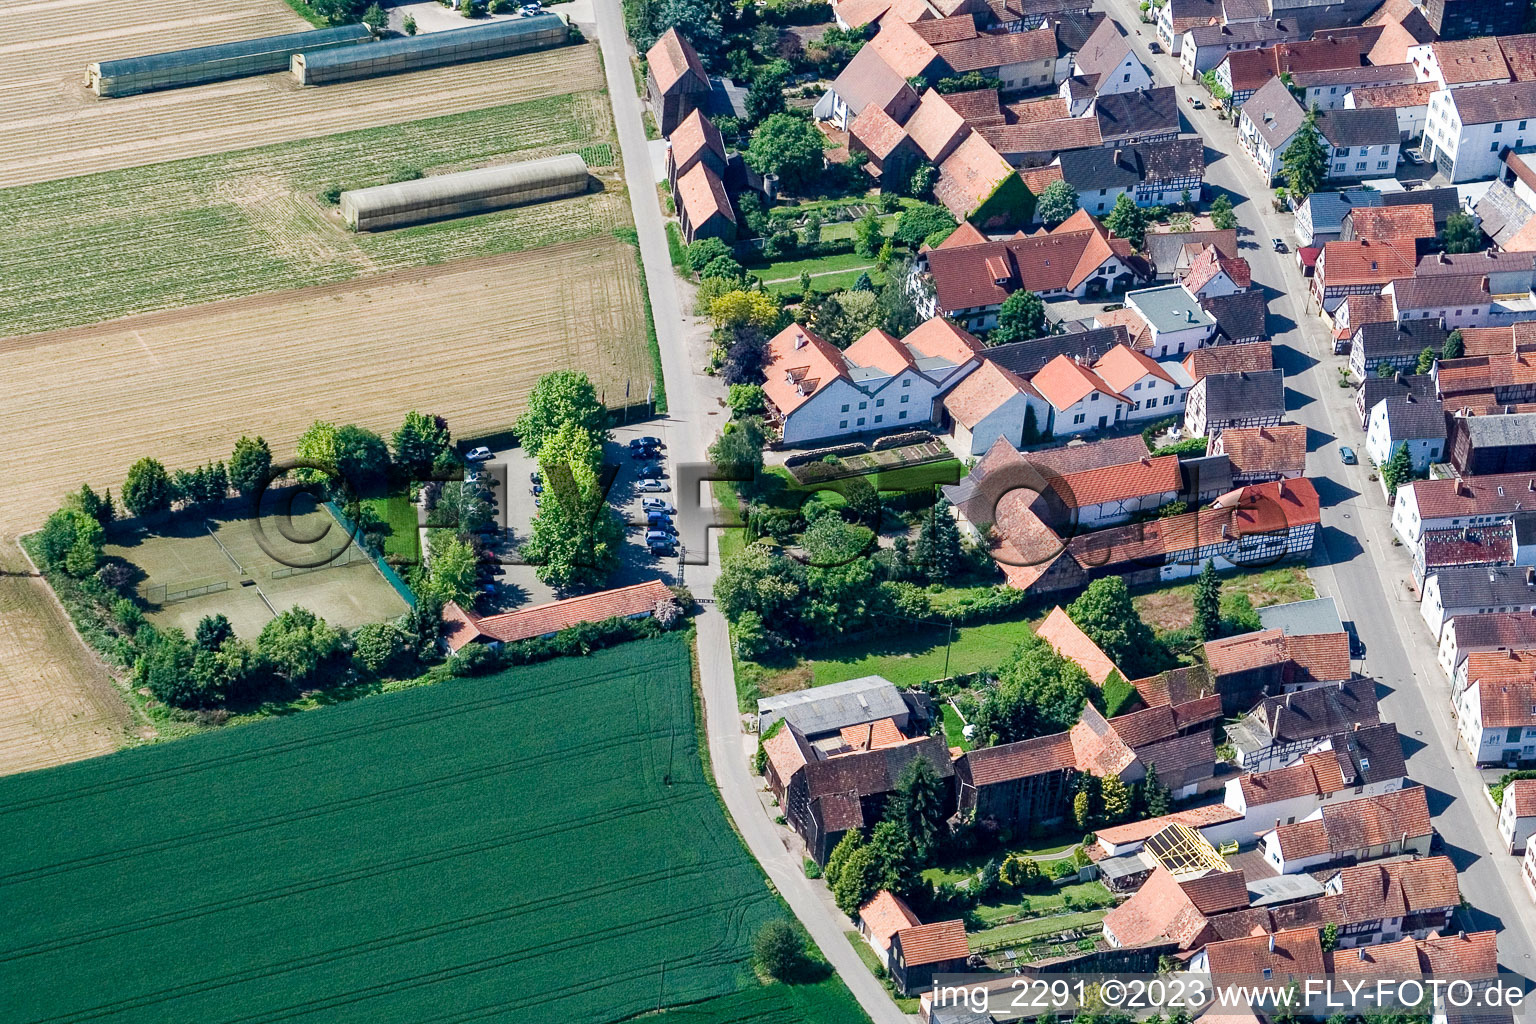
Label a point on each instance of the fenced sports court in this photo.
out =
(196, 567)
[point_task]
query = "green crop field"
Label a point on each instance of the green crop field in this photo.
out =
(540, 845)
(106, 245)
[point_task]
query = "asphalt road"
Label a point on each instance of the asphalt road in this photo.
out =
(688, 433)
(1354, 561)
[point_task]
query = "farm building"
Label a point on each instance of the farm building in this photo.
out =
(214, 63)
(464, 193)
(455, 46)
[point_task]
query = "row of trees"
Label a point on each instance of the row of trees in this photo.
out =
(576, 534)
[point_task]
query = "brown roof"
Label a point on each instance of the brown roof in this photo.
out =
(1383, 223)
(980, 106)
(1374, 891)
(1288, 783)
(1522, 793)
(946, 30)
(1097, 748)
(982, 392)
(1252, 357)
(1358, 825)
(1473, 495)
(885, 915)
(1040, 178)
(785, 752)
(1416, 95)
(798, 364)
(1361, 261)
(970, 174)
(1218, 891)
(865, 773)
(1391, 47)
(1318, 657)
(1250, 69)
(1067, 640)
(993, 50)
(1194, 817)
(1281, 448)
(1021, 760)
(1507, 703)
(880, 733)
(986, 274)
(877, 130)
(1050, 108)
(1472, 374)
(1398, 959)
(1245, 652)
(1470, 60)
(1497, 629)
(543, 619)
(672, 59)
(901, 47)
(1103, 50)
(1160, 909)
(1369, 309)
(1520, 55)
(935, 126)
(933, 943)
(702, 194)
(1043, 136)
(1501, 664)
(1285, 954)
(1144, 477)
(1074, 458)
(1465, 954)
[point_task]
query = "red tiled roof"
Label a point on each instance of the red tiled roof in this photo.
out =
(1064, 381)
(885, 915)
(1358, 825)
(1394, 96)
(1398, 959)
(878, 349)
(1520, 55)
(1361, 261)
(1209, 263)
(900, 46)
(933, 943)
(1067, 640)
(1288, 783)
(1327, 54)
(1218, 891)
(1470, 60)
(935, 126)
(1284, 954)
(1250, 69)
(877, 131)
(693, 136)
(798, 365)
(1464, 955)
(702, 194)
(1139, 479)
(980, 106)
(1507, 703)
(1385, 223)
(1473, 495)
(1160, 909)
(980, 394)
(1318, 657)
(543, 619)
(968, 276)
(1040, 178)
(946, 30)
(1471, 374)
(1252, 357)
(1122, 366)
(1194, 817)
(880, 733)
(970, 174)
(1522, 793)
(938, 338)
(991, 50)
(1245, 652)
(671, 59)
(1043, 136)
(784, 753)
(1051, 108)
(1281, 448)
(1097, 748)
(1021, 760)
(1374, 891)
(1369, 309)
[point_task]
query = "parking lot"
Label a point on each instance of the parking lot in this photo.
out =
(518, 585)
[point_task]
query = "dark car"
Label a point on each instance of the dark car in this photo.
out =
(662, 549)
(646, 442)
(1278, 244)
(658, 522)
(534, 478)
(644, 453)
(650, 473)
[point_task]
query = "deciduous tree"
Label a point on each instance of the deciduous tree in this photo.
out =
(418, 443)
(778, 950)
(1127, 220)
(1037, 692)
(1305, 160)
(1461, 234)
(919, 221)
(297, 644)
(564, 396)
(789, 146)
(250, 465)
(147, 488)
(1057, 203)
(362, 459)
(1221, 213)
(741, 308)
(1104, 611)
(1020, 318)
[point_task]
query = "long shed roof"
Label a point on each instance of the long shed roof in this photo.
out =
(292, 42)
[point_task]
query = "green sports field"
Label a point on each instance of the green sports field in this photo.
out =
(535, 846)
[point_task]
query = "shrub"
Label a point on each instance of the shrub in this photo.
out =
(778, 950)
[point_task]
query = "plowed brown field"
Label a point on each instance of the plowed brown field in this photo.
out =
(54, 127)
(465, 341)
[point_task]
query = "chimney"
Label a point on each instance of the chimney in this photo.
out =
(1486, 290)
(800, 341)
(1444, 259)
(1117, 157)
(1530, 576)
(1271, 942)
(1489, 254)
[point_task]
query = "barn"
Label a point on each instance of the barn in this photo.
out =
(214, 63)
(412, 53)
(464, 193)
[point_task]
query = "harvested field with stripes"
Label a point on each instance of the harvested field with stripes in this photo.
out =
(538, 845)
(109, 245)
(56, 128)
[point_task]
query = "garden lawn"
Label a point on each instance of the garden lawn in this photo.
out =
(1084, 895)
(438, 853)
(403, 542)
(790, 270)
(1025, 931)
(917, 655)
(961, 868)
(826, 283)
(954, 728)
(1164, 608)
(867, 954)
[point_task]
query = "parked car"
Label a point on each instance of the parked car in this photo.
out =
(1278, 244)
(652, 486)
(657, 521)
(662, 549)
(657, 505)
(644, 453)
(1347, 456)
(658, 537)
(536, 490)
(1155, 46)
(534, 478)
(477, 455)
(646, 442)
(650, 472)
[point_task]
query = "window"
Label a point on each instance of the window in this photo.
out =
(1512, 735)
(1126, 78)
(1493, 147)
(879, 418)
(879, 403)
(863, 405)
(861, 421)
(1103, 191)
(1343, 151)
(1093, 397)
(1381, 165)
(1521, 126)
(1167, 399)
(905, 399)
(903, 415)
(1137, 387)
(1269, 972)
(845, 408)
(1333, 91)
(1498, 128)
(1360, 166)
(1079, 418)
(842, 424)
(1339, 168)
(906, 384)
(1458, 312)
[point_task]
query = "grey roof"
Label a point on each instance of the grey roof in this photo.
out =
(1275, 113)
(1485, 262)
(1277, 889)
(1205, 475)
(1139, 114)
(1074, 28)
(1502, 212)
(1366, 74)
(293, 42)
(1264, 33)
(1482, 104)
(1445, 201)
(1103, 50)
(1437, 291)
(1310, 714)
(1239, 316)
(824, 709)
(1025, 358)
(476, 42)
(1321, 15)
(869, 79)
(1382, 341)
(1303, 618)
(1503, 431)
(1370, 754)
(1374, 126)
(1127, 166)
(1244, 10)
(1169, 307)
(1414, 419)
(1238, 396)
(1378, 389)
(1163, 247)
(1125, 866)
(1329, 208)
(1497, 586)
